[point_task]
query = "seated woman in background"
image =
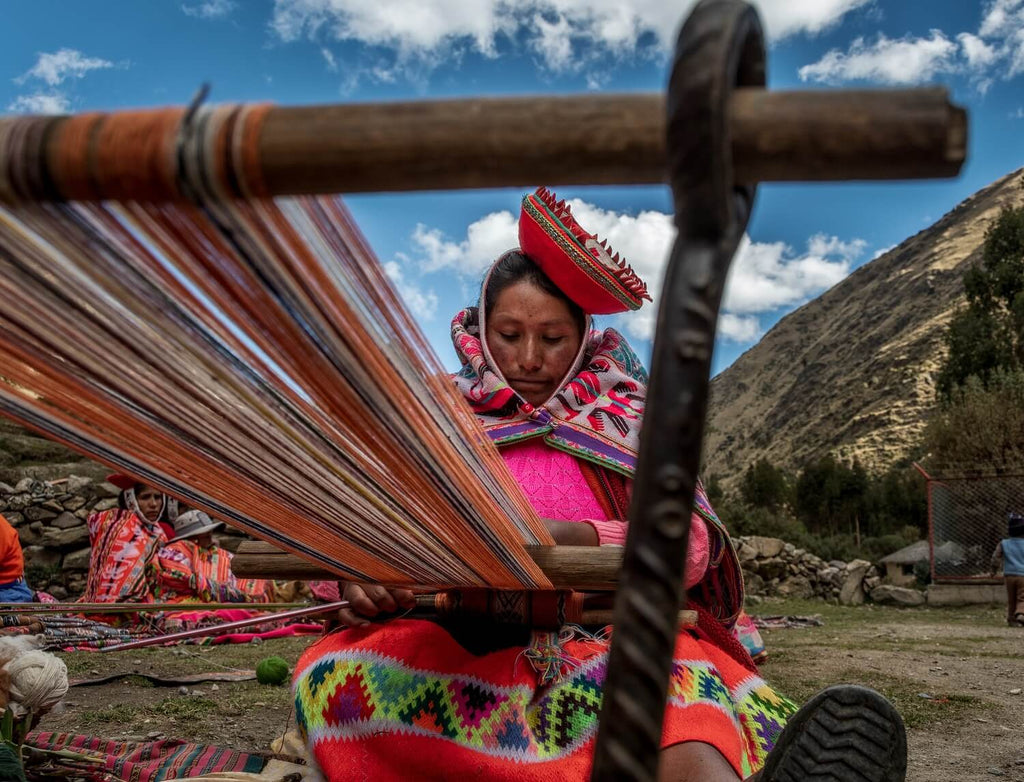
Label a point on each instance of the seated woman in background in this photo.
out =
(13, 588)
(191, 567)
(124, 540)
(415, 699)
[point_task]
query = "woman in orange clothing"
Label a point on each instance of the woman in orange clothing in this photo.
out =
(12, 567)
(192, 567)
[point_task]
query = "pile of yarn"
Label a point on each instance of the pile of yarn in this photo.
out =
(38, 682)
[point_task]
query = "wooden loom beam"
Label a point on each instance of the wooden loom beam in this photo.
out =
(604, 139)
(569, 567)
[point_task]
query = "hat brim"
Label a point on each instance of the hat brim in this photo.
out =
(122, 481)
(577, 273)
(200, 531)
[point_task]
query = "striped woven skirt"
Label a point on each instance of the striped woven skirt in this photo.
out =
(403, 700)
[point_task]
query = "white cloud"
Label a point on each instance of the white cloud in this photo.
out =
(55, 67)
(882, 251)
(566, 35)
(421, 303)
(40, 103)
(996, 51)
(1018, 114)
(332, 64)
(765, 276)
(485, 240)
(887, 61)
(210, 9)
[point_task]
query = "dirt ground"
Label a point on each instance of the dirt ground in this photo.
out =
(956, 675)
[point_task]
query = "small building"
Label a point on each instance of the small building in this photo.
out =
(899, 566)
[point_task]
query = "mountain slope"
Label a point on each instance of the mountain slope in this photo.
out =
(853, 371)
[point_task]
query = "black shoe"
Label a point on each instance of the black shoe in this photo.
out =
(844, 733)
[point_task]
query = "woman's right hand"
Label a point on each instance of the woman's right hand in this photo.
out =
(371, 599)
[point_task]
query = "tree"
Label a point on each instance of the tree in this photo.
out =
(764, 486)
(988, 334)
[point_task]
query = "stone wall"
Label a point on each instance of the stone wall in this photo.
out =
(50, 519)
(774, 568)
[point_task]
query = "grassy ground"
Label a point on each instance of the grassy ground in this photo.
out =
(954, 674)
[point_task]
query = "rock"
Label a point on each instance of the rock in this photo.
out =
(31, 534)
(14, 518)
(25, 484)
(19, 501)
(106, 490)
(65, 521)
(53, 505)
(39, 513)
(77, 560)
(83, 513)
(852, 591)
(771, 568)
(74, 503)
(827, 574)
(766, 548)
(797, 586)
(871, 582)
(837, 564)
(789, 548)
(753, 600)
(40, 556)
(1015, 691)
(753, 584)
(58, 592)
(746, 552)
(887, 594)
(76, 537)
(107, 504)
(6, 488)
(77, 483)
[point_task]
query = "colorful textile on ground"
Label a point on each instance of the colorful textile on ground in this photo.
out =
(123, 544)
(580, 264)
(596, 415)
(184, 570)
(141, 761)
(746, 632)
(403, 700)
(78, 634)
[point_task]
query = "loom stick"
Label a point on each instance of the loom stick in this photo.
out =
(574, 139)
(568, 567)
(239, 624)
(604, 139)
(135, 608)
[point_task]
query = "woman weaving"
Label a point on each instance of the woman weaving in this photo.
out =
(407, 699)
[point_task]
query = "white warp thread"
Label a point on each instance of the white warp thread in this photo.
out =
(39, 681)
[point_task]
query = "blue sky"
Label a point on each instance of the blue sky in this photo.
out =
(75, 56)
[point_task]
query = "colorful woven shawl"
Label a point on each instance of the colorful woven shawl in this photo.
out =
(596, 416)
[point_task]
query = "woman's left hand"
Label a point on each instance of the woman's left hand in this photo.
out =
(571, 533)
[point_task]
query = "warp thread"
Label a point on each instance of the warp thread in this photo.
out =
(39, 681)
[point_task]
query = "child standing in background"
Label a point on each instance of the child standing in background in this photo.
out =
(1010, 554)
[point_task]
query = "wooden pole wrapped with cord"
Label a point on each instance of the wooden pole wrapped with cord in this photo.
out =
(470, 143)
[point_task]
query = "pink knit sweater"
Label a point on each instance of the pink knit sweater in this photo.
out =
(553, 482)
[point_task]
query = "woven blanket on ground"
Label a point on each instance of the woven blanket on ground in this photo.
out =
(786, 622)
(77, 634)
(138, 761)
(403, 700)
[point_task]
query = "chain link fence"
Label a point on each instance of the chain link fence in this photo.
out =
(967, 517)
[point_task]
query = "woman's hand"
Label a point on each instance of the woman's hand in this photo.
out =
(370, 600)
(571, 533)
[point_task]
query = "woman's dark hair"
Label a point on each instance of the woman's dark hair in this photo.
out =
(515, 267)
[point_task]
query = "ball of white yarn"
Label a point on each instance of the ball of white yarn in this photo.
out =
(39, 681)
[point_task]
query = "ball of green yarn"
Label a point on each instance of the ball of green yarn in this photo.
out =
(10, 766)
(272, 670)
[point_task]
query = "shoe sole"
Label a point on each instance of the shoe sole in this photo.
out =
(844, 733)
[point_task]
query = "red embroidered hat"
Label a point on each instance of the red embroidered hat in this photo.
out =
(585, 268)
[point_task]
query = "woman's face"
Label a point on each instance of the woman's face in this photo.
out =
(150, 501)
(534, 340)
